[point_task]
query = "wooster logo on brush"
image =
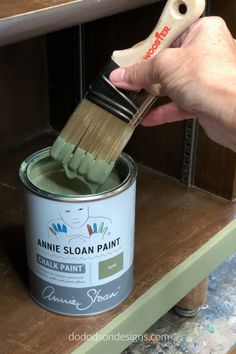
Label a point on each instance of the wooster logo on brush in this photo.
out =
(157, 42)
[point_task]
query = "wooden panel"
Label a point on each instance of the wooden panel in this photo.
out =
(116, 32)
(23, 90)
(232, 350)
(227, 10)
(63, 74)
(160, 148)
(21, 20)
(172, 223)
(15, 7)
(215, 165)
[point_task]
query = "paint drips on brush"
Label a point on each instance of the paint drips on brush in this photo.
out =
(82, 165)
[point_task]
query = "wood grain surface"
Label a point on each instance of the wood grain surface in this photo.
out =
(9, 8)
(171, 223)
(20, 20)
(24, 107)
(195, 298)
(14, 7)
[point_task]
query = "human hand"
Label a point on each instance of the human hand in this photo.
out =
(198, 73)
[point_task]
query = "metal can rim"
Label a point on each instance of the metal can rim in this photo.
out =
(125, 184)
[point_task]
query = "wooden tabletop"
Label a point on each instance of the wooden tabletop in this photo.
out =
(172, 222)
(25, 19)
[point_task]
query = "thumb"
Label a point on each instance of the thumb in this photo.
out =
(166, 113)
(135, 77)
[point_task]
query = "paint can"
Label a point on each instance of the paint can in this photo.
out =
(79, 245)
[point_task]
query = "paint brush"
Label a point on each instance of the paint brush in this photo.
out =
(102, 124)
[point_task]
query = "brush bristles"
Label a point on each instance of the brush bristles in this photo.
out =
(97, 131)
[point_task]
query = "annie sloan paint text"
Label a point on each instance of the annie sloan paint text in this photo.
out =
(93, 296)
(79, 250)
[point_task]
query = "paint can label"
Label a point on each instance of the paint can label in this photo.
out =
(80, 254)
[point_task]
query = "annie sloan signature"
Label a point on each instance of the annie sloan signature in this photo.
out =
(91, 297)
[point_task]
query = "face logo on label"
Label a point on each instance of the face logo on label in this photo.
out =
(75, 222)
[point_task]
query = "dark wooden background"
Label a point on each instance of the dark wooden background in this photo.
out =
(43, 79)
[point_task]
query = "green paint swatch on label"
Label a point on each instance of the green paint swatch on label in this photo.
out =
(111, 266)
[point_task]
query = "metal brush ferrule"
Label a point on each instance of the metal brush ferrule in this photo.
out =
(122, 103)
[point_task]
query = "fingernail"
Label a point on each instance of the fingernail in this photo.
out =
(117, 75)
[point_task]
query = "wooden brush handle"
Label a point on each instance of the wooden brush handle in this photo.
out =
(176, 17)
